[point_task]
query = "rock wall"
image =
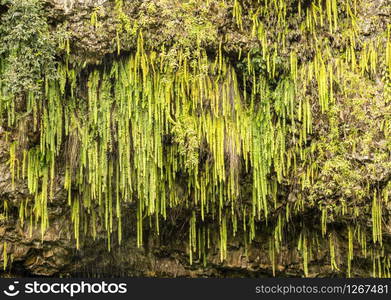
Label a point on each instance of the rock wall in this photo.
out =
(93, 33)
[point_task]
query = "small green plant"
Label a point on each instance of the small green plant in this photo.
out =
(27, 47)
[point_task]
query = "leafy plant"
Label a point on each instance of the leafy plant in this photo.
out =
(27, 47)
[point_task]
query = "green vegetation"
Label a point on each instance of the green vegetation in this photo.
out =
(27, 47)
(245, 144)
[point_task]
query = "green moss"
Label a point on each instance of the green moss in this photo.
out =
(172, 124)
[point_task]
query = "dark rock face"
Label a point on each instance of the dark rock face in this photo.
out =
(55, 253)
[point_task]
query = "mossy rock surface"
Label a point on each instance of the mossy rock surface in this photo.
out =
(202, 139)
